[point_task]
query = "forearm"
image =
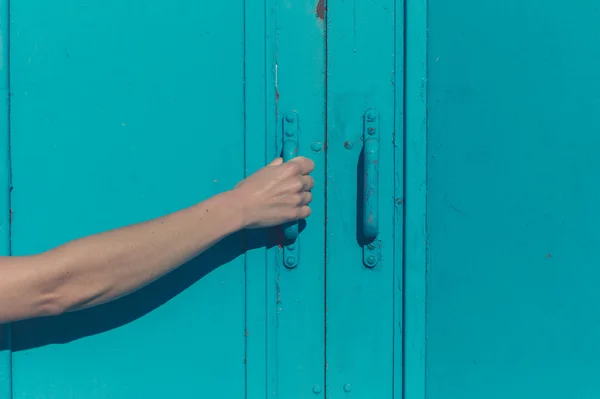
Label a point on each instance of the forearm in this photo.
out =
(106, 266)
(103, 267)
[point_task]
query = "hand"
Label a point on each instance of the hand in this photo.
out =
(276, 194)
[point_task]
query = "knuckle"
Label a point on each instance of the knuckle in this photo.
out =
(293, 167)
(297, 186)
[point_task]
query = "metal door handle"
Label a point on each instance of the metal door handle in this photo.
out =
(371, 187)
(371, 178)
(290, 150)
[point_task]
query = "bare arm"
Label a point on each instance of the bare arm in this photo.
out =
(103, 267)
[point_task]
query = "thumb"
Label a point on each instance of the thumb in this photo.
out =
(276, 161)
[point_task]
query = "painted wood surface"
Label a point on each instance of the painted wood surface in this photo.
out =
(512, 305)
(414, 249)
(484, 284)
(120, 113)
(360, 299)
(5, 354)
(299, 301)
(259, 113)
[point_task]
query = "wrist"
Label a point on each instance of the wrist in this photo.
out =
(233, 210)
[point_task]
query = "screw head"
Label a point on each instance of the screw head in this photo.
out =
(289, 133)
(316, 389)
(371, 131)
(316, 146)
(349, 145)
(371, 246)
(371, 260)
(371, 116)
(347, 388)
(290, 261)
(290, 118)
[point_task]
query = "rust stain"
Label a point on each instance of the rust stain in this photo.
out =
(548, 256)
(321, 10)
(276, 95)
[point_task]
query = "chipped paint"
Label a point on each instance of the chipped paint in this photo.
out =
(320, 11)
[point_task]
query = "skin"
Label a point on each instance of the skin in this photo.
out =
(101, 268)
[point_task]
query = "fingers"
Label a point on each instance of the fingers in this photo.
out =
(302, 165)
(307, 183)
(305, 198)
(304, 212)
(276, 161)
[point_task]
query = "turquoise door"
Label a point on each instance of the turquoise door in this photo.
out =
(450, 250)
(122, 112)
(512, 199)
(364, 199)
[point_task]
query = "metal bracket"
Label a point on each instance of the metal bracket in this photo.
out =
(290, 150)
(371, 250)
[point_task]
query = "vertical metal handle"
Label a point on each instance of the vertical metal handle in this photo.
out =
(371, 187)
(371, 178)
(290, 150)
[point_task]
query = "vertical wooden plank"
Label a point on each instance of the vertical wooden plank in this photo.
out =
(360, 300)
(259, 105)
(272, 269)
(271, 151)
(5, 354)
(415, 154)
(399, 24)
(300, 291)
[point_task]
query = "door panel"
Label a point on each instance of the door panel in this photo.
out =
(360, 281)
(5, 357)
(259, 105)
(512, 304)
(299, 283)
(122, 112)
